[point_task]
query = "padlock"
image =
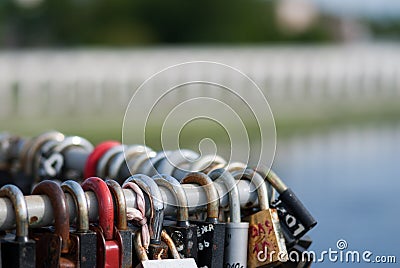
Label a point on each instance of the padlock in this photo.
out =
(86, 239)
(211, 233)
(296, 220)
(266, 246)
(53, 161)
(176, 262)
(157, 248)
(149, 167)
(109, 242)
(181, 231)
(55, 249)
(94, 157)
(104, 162)
(120, 164)
(137, 218)
(19, 251)
(178, 159)
(236, 231)
(121, 222)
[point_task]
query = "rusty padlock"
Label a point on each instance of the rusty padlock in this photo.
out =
(266, 246)
(176, 262)
(19, 251)
(157, 248)
(121, 222)
(181, 231)
(55, 249)
(236, 231)
(109, 242)
(86, 239)
(211, 233)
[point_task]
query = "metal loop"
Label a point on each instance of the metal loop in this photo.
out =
(81, 205)
(259, 183)
(106, 206)
(119, 197)
(230, 183)
(17, 199)
(176, 189)
(149, 186)
(60, 209)
(211, 193)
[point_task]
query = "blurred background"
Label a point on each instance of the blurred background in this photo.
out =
(330, 70)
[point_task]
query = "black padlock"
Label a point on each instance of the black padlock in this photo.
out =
(86, 239)
(121, 223)
(211, 233)
(181, 231)
(19, 251)
(295, 219)
(55, 249)
(157, 248)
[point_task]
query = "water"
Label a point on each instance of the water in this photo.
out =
(349, 178)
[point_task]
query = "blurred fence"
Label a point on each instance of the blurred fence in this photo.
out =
(61, 82)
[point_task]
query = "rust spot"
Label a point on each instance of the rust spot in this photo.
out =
(33, 220)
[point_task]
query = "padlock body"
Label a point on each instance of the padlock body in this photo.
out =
(87, 248)
(210, 244)
(266, 247)
(127, 247)
(18, 254)
(158, 251)
(48, 249)
(112, 254)
(294, 217)
(185, 238)
(236, 236)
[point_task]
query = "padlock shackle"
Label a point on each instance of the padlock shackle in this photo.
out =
(81, 205)
(73, 141)
(119, 198)
(175, 159)
(258, 181)
(60, 209)
(235, 166)
(105, 203)
(18, 202)
(230, 183)
(134, 168)
(207, 162)
(211, 192)
(31, 148)
(174, 187)
(171, 245)
(103, 163)
(149, 186)
(276, 182)
(141, 252)
(148, 167)
(94, 157)
(118, 160)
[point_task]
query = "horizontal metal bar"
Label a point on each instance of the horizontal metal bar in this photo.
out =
(41, 214)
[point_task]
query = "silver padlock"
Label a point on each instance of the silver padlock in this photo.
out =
(236, 235)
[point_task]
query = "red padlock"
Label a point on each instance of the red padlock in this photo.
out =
(109, 242)
(94, 157)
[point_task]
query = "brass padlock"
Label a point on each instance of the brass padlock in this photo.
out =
(266, 243)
